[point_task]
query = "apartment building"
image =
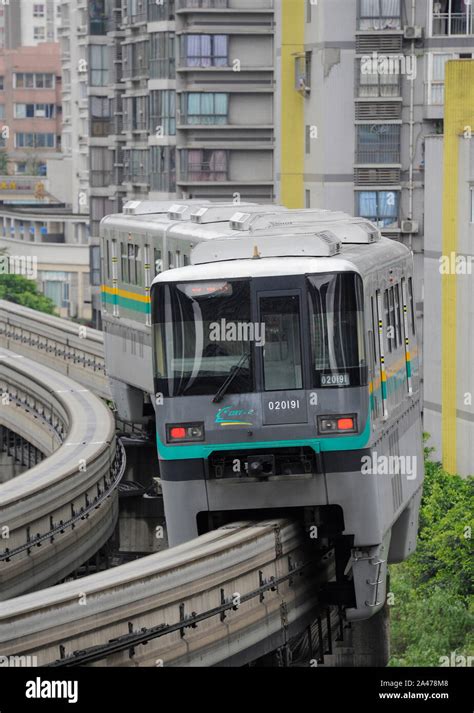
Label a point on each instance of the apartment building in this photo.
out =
(27, 23)
(30, 108)
(449, 276)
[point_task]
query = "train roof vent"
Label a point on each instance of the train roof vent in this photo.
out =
(356, 231)
(301, 244)
(287, 218)
(148, 207)
(180, 211)
(218, 212)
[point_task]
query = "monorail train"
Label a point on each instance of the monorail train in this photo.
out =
(285, 377)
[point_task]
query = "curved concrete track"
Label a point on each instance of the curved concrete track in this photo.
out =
(58, 513)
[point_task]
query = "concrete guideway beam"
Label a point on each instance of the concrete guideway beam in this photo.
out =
(58, 513)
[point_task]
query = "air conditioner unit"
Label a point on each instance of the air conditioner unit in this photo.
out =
(413, 32)
(410, 226)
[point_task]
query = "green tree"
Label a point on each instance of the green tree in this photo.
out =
(433, 613)
(23, 291)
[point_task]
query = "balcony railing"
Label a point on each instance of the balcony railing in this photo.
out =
(186, 118)
(459, 23)
(378, 155)
(379, 23)
(203, 171)
(138, 124)
(207, 62)
(203, 4)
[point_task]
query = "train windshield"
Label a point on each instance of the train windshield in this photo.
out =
(200, 337)
(336, 313)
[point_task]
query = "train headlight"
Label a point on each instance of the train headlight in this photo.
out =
(182, 432)
(346, 423)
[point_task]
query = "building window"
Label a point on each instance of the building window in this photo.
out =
(100, 116)
(380, 207)
(101, 166)
(452, 17)
(163, 112)
(2, 111)
(204, 165)
(100, 207)
(436, 71)
(97, 17)
(31, 141)
(1, 84)
(29, 80)
(472, 204)
(94, 265)
(162, 54)
(375, 84)
(38, 10)
(378, 143)
(136, 166)
(135, 61)
(39, 33)
(135, 113)
(379, 15)
(163, 169)
(205, 108)
(205, 50)
(162, 11)
(99, 70)
(29, 111)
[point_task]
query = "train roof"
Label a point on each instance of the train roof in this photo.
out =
(249, 237)
(362, 259)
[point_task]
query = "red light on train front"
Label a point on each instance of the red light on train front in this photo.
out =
(177, 432)
(337, 424)
(182, 432)
(345, 424)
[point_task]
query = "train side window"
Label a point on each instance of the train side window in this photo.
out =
(388, 341)
(412, 306)
(124, 263)
(393, 332)
(138, 266)
(107, 259)
(398, 316)
(374, 330)
(131, 265)
(157, 261)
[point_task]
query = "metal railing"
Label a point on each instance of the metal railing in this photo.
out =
(455, 23)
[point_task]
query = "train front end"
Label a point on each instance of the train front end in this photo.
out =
(261, 391)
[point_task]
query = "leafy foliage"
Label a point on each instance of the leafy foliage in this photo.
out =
(22, 291)
(433, 611)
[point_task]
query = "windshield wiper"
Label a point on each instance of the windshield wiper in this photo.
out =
(235, 370)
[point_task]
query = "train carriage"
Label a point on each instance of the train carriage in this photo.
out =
(285, 381)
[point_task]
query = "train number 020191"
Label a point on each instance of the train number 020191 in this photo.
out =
(289, 405)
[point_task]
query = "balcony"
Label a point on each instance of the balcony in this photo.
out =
(447, 24)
